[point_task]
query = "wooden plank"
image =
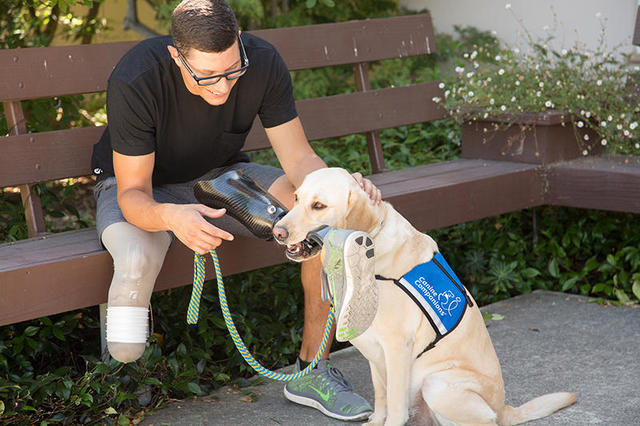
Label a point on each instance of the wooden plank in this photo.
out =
(65, 70)
(604, 183)
(61, 70)
(458, 191)
(37, 278)
(360, 112)
(67, 153)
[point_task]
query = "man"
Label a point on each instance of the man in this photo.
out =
(179, 111)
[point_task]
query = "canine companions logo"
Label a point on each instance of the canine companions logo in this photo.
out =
(437, 291)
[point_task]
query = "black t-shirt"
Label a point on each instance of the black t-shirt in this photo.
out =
(150, 110)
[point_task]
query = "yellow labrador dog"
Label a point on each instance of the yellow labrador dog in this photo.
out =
(456, 382)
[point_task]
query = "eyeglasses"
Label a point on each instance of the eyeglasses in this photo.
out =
(231, 75)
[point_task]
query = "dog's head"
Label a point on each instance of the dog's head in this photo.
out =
(327, 197)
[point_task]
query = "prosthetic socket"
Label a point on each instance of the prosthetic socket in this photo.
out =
(244, 200)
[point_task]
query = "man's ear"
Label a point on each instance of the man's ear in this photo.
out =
(174, 54)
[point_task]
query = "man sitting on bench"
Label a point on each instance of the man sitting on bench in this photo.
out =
(179, 110)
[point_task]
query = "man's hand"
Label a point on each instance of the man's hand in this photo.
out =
(186, 221)
(372, 191)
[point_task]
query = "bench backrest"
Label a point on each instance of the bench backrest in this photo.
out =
(28, 158)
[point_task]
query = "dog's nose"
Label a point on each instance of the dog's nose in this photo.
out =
(280, 233)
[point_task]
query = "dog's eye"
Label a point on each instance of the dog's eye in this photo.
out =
(318, 206)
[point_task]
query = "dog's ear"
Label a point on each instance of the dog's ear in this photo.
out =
(360, 214)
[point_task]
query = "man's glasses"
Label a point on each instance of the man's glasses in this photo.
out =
(231, 75)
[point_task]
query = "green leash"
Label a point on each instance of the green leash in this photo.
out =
(192, 318)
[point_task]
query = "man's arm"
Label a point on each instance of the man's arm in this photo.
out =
(298, 158)
(186, 221)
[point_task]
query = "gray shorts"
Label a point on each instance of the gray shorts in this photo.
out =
(108, 211)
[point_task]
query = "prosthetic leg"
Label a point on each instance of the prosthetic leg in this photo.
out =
(137, 258)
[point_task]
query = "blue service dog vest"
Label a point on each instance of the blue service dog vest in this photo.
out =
(436, 289)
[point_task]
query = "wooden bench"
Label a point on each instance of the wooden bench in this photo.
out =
(52, 273)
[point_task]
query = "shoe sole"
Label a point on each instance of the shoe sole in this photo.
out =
(310, 402)
(360, 286)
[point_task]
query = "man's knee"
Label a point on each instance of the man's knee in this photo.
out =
(136, 253)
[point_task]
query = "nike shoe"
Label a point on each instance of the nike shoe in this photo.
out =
(326, 389)
(349, 266)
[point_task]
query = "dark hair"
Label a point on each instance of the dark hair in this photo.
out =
(205, 25)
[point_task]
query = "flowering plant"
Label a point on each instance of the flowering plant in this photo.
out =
(591, 88)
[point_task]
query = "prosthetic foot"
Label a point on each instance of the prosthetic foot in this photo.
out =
(244, 200)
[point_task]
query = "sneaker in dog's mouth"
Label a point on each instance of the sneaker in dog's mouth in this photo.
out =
(303, 250)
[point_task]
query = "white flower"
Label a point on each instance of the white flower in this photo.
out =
(580, 124)
(471, 93)
(585, 152)
(638, 145)
(489, 79)
(538, 93)
(492, 101)
(599, 83)
(516, 50)
(603, 142)
(498, 57)
(633, 125)
(441, 85)
(494, 32)
(513, 99)
(558, 83)
(466, 55)
(507, 6)
(548, 104)
(473, 54)
(500, 71)
(587, 114)
(626, 132)
(541, 84)
(459, 70)
(470, 74)
(610, 118)
(436, 99)
(619, 127)
(476, 65)
(503, 108)
(586, 137)
(564, 52)
(603, 124)
(447, 92)
(517, 82)
(485, 115)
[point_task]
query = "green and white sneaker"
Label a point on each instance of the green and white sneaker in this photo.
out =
(349, 265)
(326, 389)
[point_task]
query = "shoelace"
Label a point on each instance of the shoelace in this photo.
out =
(339, 380)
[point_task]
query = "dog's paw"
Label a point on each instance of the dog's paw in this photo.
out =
(375, 420)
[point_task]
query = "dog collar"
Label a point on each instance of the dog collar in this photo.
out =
(439, 294)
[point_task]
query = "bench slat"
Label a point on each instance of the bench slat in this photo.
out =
(36, 281)
(602, 182)
(37, 278)
(67, 153)
(67, 70)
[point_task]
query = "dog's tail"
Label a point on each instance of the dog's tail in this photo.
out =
(536, 408)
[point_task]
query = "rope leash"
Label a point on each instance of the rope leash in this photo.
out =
(192, 318)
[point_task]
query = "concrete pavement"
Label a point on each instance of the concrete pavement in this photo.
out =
(547, 342)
